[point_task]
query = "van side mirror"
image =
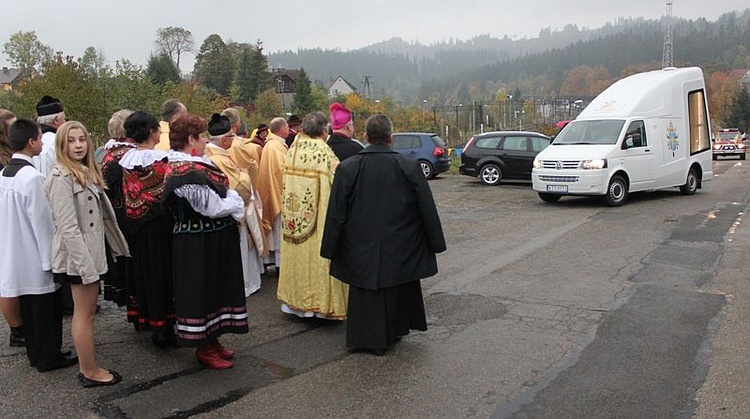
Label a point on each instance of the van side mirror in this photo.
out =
(628, 143)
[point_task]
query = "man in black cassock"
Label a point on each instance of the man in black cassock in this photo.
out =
(381, 234)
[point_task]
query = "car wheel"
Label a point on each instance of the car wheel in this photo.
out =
(617, 192)
(550, 197)
(691, 184)
(742, 156)
(714, 157)
(490, 174)
(427, 169)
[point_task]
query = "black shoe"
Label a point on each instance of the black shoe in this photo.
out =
(164, 340)
(17, 341)
(66, 359)
(88, 383)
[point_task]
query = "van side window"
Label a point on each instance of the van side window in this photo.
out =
(637, 131)
(515, 144)
(700, 138)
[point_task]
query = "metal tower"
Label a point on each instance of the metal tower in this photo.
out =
(668, 57)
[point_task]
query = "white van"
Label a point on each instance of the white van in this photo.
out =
(645, 132)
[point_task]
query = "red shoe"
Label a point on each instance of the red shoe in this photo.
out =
(209, 358)
(223, 352)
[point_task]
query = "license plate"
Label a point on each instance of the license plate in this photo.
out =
(557, 188)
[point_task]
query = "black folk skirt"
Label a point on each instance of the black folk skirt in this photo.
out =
(151, 304)
(376, 319)
(209, 290)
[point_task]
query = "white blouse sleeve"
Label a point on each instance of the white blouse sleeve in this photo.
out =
(207, 202)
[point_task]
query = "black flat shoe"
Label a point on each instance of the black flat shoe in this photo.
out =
(88, 383)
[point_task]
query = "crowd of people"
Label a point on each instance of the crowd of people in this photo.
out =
(177, 220)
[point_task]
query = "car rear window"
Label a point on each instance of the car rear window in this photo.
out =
(403, 142)
(438, 141)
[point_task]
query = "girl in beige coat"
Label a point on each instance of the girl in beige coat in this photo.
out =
(83, 217)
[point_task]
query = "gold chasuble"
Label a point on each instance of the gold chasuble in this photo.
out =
(270, 179)
(238, 180)
(305, 284)
(247, 156)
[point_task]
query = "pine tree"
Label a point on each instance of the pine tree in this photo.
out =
(161, 69)
(740, 113)
(303, 101)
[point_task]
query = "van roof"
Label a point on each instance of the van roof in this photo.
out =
(649, 94)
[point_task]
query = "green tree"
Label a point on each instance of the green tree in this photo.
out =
(303, 102)
(64, 78)
(25, 51)
(161, 69)
(94, 62)
(739, 116)
(214, 65)
(173, 41)
(245, 79)
(320, 98)
(198, 99)
(269, 106)
(130, 87)
(252, 72)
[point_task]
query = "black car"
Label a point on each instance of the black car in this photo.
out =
(429, 149)
(497, 155)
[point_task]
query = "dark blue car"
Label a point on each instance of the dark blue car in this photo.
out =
(429, 149)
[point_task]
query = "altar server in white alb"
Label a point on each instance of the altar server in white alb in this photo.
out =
(25, 252)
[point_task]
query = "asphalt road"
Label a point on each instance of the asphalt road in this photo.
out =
(540, 310)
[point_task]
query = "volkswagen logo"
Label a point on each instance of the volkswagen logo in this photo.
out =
(558, 165)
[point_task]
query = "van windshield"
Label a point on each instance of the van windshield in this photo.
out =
(590, 132)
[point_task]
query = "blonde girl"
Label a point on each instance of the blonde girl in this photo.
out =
(83, 217)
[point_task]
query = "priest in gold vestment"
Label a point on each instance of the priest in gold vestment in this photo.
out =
(270, 186)
(306, 288)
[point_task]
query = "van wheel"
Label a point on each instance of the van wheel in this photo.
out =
(550, 197)
(617, 192)
(691, 184)
(490, 174)
(427, 169)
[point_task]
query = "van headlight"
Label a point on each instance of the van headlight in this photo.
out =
(537, 164)
(595, 164)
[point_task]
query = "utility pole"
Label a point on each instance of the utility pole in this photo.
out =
(368, 87)
(668, 57)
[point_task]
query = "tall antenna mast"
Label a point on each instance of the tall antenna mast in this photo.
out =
(668, 57)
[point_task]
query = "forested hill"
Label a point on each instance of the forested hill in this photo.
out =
(474, 70)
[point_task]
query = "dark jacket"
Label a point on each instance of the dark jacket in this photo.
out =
(343, 146)
(382, 228)
(290, 138)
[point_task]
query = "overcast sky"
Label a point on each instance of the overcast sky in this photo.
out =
(126, 29)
